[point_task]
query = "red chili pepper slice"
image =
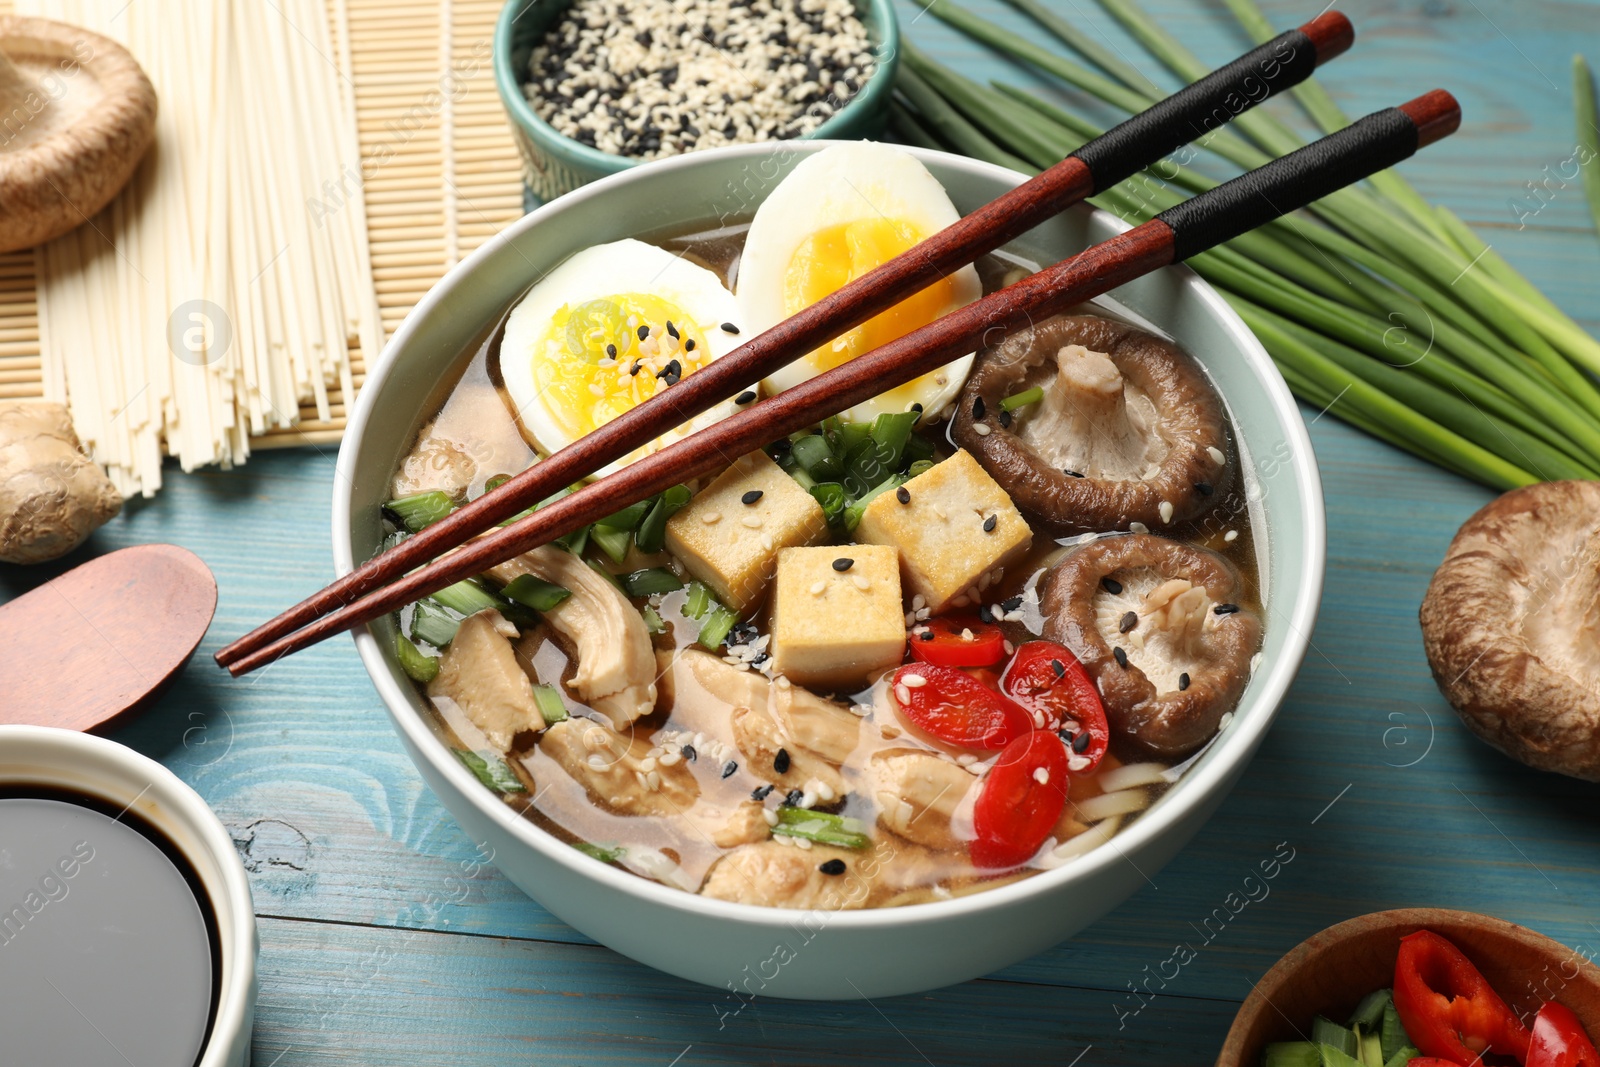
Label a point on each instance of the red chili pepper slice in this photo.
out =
(1448, 1007)
(1020, 802)
(955, 707)
(1559, 1040)
(959, 640)
(1047, 678)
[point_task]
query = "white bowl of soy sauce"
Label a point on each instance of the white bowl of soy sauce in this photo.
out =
(126, 928)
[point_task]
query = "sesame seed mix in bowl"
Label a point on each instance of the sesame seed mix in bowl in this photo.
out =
(653, 78)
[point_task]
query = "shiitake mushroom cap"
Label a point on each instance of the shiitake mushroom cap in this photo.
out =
(1189, 418)
(1147, 709)
(1511, 626)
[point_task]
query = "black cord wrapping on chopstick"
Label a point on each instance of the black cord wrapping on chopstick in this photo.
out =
(1365, 147)
(1197, 109)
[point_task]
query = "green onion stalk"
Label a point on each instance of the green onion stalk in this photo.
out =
(1383, 310)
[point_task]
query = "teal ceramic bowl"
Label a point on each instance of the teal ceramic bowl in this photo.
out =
(553, 164)
(819, 954)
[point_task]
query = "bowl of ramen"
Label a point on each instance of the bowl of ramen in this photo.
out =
(892, 702)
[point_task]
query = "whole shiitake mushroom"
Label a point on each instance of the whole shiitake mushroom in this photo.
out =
(1511, 626)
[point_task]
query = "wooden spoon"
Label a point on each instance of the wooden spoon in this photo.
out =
(104, 638)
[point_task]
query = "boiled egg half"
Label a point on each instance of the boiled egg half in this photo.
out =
(607, 330)
(840, 213)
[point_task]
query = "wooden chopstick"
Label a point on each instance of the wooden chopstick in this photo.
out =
(1280, 63)
(1365, 147)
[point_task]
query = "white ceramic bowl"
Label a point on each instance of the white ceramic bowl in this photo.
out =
(848, 954)
(65, 760)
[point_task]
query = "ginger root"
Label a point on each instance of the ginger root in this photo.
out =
(52, 496)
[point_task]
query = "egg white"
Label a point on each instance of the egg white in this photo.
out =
(608, 270)
(842, 184)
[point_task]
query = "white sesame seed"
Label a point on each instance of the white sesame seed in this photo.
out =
(860, 582)
(802, 842)
(1138, 528)
(598, 762)
(783, 682)
(1216, 455)
(769, 815)
(913, 681)
(818, 588)
(966, 759)
(1078, 763)
(902, 694)
(711, 518)
(1041, 775)
(1010, 648)
(960, 601)
(967, 634)
(919, 602)
(752, 522)
(1231, 535)
(671, 759)
(1166, 511)
(654, 778)
(981, 429)
(647, 765)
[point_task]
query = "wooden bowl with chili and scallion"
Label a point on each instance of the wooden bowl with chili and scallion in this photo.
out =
(1426, 987)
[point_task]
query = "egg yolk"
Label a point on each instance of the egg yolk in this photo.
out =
(831, 257)
(602, 357)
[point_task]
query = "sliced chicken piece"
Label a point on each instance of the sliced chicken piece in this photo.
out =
(435, 463)
(768, 746)
(744, 826)
(613, 769)
(480, 674)
(616, 669)
(815, 724)
(699, 690)
(777, 875)
(920, 797)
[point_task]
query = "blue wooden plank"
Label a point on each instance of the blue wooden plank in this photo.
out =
(365, 959)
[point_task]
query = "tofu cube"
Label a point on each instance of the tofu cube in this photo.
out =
(957, 526)
(833, 628)
(733, 546)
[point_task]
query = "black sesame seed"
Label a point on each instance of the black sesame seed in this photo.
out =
(1004, 419)
(1225, 609)
(1065, 735)
(751, 497)
(1129, 621)
(926, 635)
(793, 797)
(1202, 488)
(672, 331)
(833, 866)
(1011, 603)
(1183, 681)
(903, 495)
(633, 370)
(644, 331)
(977, 408)
(688, 346)
(917, 408)
(781, 446)
(689, 753)
(1059, 667)
(761, 792)
(1071, 473)
(990, 523)
(1120, 656)
(843, 563)
(729, 327)
(1111, 585)
(780, 762)
(985, 613)
(611, 351)
(672, 378)
(745, 397)
(729, 767)
(671, 370)
(1081, 742)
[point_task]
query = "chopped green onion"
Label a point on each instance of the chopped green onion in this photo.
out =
(1369, 1013)
(832, 498)
(627, 519)
(535, 593)
(430, 622)
(576, 541)
(468, 598)
(421, 510)
(1333, 1056)
(599, 852)
(1401, 1057)
(1392, 1033)
(1325, 1031)
(652, 533)
(816, 458)
(496, 482)
(921, 466)
(418, 666)
(918, 448)
(852, 514)
(1371, 1049)
(822, 827)
(650, 580)
(1022, 399)
(1588, 132)
(1291, 1054)
(551, 706)
(652, 620)
(891, 432)
(491, 770)
(715, 619)
(802, 479)
(600, 569)
(614, 543)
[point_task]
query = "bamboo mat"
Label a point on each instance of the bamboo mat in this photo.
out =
(440, 173)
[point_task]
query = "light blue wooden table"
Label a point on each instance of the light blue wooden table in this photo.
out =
(379, 946)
